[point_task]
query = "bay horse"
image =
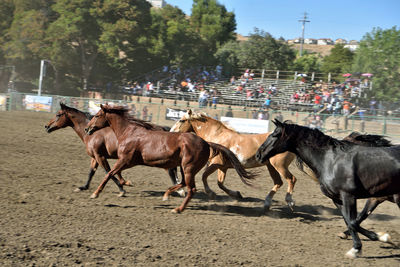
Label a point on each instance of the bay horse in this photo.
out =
(244, 146)
(100, 146)
(346, 171)
(138, 145)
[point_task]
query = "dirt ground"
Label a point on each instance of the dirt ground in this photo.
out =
(43, 222)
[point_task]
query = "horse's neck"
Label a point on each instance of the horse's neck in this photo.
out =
(209, 129)
(117, 123)
(79, 122)
(313, 157)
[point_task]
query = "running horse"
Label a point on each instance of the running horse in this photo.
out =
(100, 146)
(245, 147)
(138, 145)
(346, 171)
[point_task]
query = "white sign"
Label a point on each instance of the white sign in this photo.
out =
(246, 125)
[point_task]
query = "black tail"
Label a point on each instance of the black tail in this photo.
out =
(244, 175)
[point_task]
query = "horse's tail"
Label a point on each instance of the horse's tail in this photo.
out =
(244, 175)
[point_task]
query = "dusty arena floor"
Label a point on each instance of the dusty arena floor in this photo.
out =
(43, 222)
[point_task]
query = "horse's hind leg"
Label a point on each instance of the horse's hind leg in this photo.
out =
(277, 184)
(369, 207)
(92, 171)
(173, 175)
(191, 189)
(207, 172)
(221, 179)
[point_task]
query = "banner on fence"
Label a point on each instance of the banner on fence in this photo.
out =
(38, 103)
(246, 125)
(174, 114)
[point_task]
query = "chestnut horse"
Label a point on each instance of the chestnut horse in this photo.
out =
(100, 146)
(245, 147)
(138, 145)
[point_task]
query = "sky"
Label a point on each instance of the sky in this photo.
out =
(334, 19)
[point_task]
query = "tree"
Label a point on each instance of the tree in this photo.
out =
(338, 61)
(261, 50)
(307, 63)
(379, 54)
(227, 56)
(214, 24)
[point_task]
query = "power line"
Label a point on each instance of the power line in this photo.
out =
(303, 21)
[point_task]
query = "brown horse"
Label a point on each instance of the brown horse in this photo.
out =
(100, 146)
(244, 146)
(138, 145)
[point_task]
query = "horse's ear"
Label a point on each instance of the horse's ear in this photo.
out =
(101, 106)
(62, 105)
(277, 123)
(189, 112)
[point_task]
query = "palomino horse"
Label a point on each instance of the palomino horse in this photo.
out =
(138, 145)
(100, 146)
(346, 171)
(244, 146)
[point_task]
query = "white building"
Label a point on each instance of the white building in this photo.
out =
(157, 3)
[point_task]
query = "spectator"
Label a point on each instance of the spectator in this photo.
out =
(145, 113)
(372, 106)
(229, 113)
(233, 80)
(346, 107)
(267, 102)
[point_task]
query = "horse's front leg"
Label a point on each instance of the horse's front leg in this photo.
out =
(277, 184)
(118, 166)
(104, 163)
(92, 171)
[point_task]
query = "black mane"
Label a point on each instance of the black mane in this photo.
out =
(314, 137)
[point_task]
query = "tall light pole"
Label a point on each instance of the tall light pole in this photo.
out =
(303, 21)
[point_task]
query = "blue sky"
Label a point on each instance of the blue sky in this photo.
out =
(350, 19)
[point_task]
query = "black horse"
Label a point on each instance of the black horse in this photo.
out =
(346, 171)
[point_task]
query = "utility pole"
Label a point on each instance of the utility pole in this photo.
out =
(303, 21)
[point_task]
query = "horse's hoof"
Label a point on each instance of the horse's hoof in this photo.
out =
(238, 196)
(128, 183)
(94, 195)
(291, 205)
(122, 194)
(353, 253)
(181, 192)
(77, 190)
(384, 237)
(343, 235)
(176, 211)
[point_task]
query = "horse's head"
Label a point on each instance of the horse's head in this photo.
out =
(61, 120)
(276, 143)
(98, 121)
(184, 125)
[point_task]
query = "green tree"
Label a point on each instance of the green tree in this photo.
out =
(338, 61)
(307, 63)
(214, 24)
(379, 54)
(174, 41)
(227, 56)
(261, 50)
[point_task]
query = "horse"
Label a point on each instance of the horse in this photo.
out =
(245, 147)
(100, 146)
(138, 145)
(371, 140)
(346, 171)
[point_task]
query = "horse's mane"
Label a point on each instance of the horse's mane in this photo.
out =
(201, 116)
(71, 109)
(371, 140)
(315, 138)
(124, 112)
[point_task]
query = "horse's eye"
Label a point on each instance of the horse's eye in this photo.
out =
(182, 121)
